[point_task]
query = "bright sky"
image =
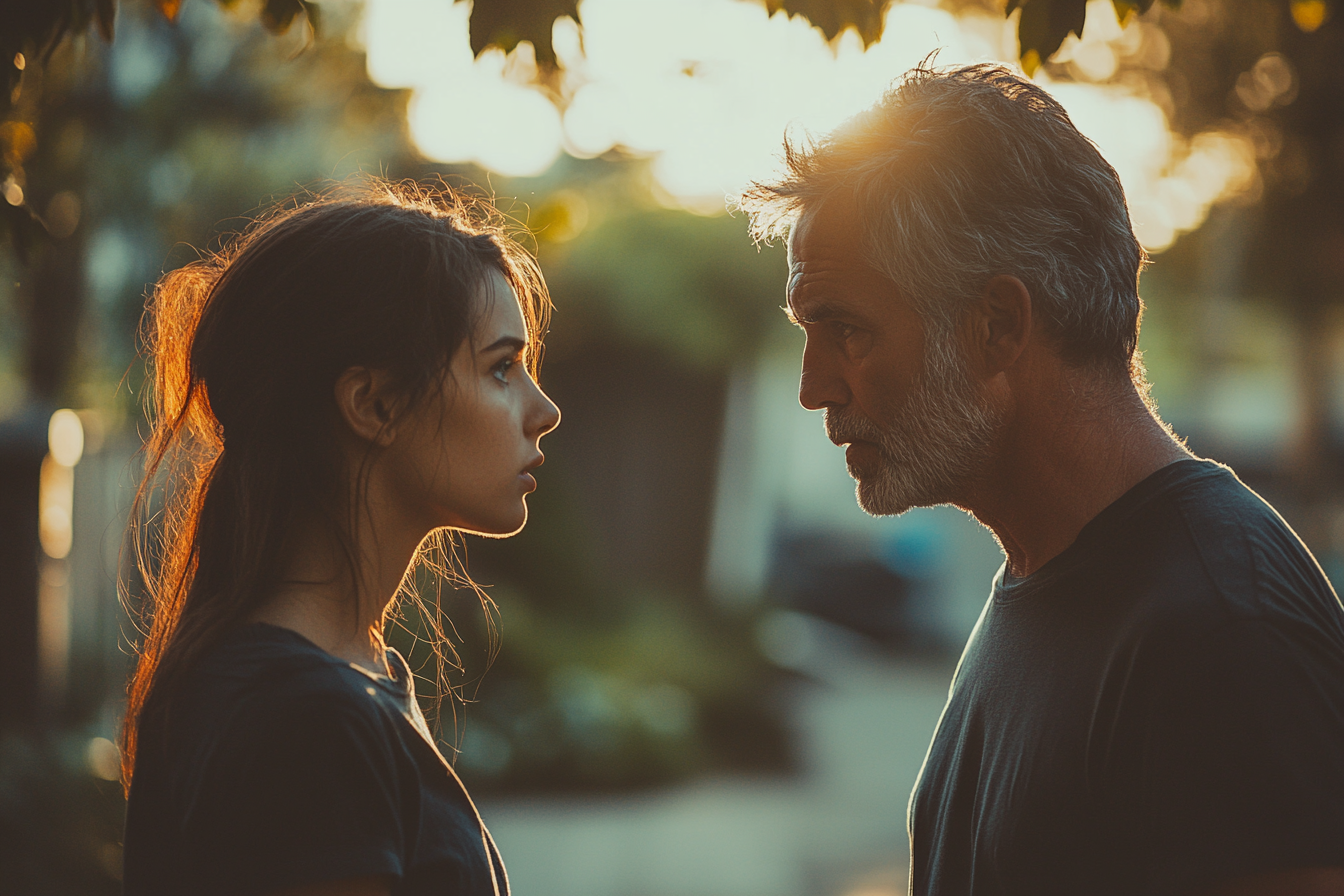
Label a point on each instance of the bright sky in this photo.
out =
(707, 89)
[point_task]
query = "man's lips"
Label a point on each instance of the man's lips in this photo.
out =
(861, 453)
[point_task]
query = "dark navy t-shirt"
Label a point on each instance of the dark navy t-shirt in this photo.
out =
(279, 764)
(1158, 708)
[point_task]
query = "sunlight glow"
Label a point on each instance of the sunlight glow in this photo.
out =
(707, 88)
(65, 437)
(56, 489)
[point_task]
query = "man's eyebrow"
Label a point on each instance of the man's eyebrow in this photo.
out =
(820, 312)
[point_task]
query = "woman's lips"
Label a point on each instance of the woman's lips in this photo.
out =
(526, 476)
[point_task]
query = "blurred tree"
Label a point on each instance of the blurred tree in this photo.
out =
(1274, 71)
(33, 29)
(148, 141)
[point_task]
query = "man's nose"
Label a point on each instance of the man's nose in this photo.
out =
(821, 385)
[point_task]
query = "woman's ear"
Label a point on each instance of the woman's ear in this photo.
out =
(367, 404)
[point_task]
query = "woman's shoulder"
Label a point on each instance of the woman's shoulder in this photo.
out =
(260, 676)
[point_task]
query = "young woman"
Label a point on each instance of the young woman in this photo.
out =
(350, 377)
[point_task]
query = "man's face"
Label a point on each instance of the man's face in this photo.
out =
(895, 391)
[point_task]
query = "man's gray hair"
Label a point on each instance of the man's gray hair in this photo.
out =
(962, 174)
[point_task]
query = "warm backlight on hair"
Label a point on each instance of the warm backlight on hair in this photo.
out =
(707, 88)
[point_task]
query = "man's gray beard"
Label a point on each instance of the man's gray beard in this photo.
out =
(936, 445)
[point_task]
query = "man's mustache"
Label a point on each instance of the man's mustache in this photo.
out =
(845, 427)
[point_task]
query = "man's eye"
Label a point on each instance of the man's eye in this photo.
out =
(841, 330)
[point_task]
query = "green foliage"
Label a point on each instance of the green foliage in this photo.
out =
(654, 689)
(31, 32)
(37, 27)
(694, 287)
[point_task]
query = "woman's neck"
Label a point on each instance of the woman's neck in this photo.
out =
(336, 604)
(329, 622)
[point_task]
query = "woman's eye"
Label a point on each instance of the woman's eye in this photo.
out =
(501, 370)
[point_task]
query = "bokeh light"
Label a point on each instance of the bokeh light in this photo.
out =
(707, 88)
(65, 437)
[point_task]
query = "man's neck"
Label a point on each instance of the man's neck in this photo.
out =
(1062, 462)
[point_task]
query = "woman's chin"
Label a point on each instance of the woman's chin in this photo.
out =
(503, 527)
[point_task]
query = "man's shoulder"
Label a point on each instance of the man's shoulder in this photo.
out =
(1226, 551)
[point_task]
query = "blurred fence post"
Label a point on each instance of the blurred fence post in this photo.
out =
(23, 444)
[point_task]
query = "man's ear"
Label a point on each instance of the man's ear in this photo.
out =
(367, 404)
(1000, 323)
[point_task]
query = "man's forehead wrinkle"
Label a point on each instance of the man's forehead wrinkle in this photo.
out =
(810, 300)
(795, 277)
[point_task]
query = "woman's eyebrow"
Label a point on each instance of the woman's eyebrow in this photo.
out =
(512, 342)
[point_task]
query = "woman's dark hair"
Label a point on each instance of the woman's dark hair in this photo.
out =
(246, 346)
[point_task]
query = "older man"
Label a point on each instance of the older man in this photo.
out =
(1153, 699)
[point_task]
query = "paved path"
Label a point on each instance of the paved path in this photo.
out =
(838, 829)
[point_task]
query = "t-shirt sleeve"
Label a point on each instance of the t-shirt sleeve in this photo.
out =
(298, 793)
(1242, 760)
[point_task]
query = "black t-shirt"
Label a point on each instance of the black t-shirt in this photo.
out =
(1159, 707)
(279, 764)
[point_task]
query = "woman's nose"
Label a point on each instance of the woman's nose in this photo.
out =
(546, 414)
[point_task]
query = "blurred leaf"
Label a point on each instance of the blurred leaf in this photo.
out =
(1045, 24)
(1126, 8)
(834, 16)
(169, 8)
(507, 23)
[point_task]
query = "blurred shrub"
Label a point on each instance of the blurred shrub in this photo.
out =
(60, 816)
(656, 690)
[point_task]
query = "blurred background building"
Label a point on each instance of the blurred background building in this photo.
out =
(717, 677)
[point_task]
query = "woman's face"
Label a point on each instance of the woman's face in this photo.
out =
(464, 454)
